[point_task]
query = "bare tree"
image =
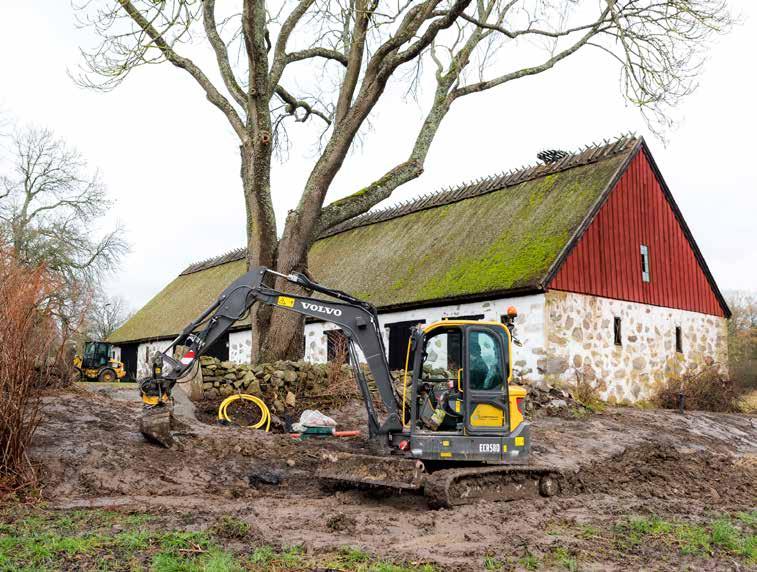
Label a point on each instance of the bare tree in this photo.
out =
(349, 51)
(742, 339)
(50, 203)
(106, 314)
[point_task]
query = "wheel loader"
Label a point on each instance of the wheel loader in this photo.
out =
(453, 430)
(96, 363)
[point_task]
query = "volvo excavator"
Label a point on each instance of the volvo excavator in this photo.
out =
(455, 431)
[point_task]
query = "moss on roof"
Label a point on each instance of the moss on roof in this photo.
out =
(497, 241)
(503, 240)
(178, 303)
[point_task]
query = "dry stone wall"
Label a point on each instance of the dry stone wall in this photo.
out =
(281, 380)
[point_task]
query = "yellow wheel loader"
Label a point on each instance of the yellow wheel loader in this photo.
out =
(454, 430)
(96, 363)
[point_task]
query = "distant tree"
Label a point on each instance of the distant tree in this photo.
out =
(51, 204)
(331, 61)
(106, 314)
(742, 338)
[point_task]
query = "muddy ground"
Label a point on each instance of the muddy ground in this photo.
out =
(625, 466)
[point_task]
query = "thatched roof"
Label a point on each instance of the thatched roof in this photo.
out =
(498, 235)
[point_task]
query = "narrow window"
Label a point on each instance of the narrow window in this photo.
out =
(679, 340)
(644, 263)
(617, 331)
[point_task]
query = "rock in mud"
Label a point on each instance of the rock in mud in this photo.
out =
(340, 522)
(265, 476)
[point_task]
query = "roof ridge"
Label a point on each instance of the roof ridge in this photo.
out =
(230, 256)
(583, 156)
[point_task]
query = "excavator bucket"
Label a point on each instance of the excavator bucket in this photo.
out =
(155, 425)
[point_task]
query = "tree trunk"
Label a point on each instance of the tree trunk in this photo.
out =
(284, 339)
(261, 230)
(276, 334)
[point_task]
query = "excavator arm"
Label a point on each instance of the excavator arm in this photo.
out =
(357, 319)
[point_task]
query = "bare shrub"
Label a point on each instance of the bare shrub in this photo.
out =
(338, 358)
(586, 394)
(706, 390)
(28, 336)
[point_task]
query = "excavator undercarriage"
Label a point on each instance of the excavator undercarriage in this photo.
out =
(455, 431)
(443, 487)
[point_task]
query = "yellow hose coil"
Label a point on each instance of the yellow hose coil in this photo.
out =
(265, 414)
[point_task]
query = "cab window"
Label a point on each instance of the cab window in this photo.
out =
(442, 356)
(485, 361)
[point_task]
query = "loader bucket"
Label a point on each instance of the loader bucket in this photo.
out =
(155, 425)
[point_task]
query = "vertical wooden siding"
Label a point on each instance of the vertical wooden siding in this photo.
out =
(607, 260)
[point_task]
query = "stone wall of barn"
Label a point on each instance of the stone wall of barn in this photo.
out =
(529, 327)
(581, 343)
(240, 346)
(144, 356)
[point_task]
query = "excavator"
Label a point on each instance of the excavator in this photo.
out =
(456, 431)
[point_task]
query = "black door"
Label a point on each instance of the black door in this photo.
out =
(129, 359)
(220, 348)
(399, 336)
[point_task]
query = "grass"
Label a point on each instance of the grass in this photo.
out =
(39, 539)
(357, 560)
(565, 559)
(230, 527)
(733, 536)
(530, 562)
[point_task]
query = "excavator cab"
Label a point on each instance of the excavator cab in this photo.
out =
(461, 404)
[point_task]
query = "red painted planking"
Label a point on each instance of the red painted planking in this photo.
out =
(606, 261)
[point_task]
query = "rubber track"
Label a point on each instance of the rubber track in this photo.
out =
(453, 487)
(401, 474)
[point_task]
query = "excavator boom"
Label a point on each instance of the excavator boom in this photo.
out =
(356, 318)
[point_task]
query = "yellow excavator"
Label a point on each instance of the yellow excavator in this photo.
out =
(96, 363)
(455, 430)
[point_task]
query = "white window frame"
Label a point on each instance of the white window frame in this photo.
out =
(644, 250)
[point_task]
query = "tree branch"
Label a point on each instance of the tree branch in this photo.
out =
(488, 84)
(293, 104)
(317, 52)
(354, 57)
(279, 51)
(214, 96)
(222, 55)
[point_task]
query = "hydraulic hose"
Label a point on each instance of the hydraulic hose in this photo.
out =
(265, 414)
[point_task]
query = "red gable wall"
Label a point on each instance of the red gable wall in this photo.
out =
(606, 261)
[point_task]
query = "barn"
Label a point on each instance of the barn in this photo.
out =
(589, 246)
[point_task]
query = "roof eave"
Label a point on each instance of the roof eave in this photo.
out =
(464, 298)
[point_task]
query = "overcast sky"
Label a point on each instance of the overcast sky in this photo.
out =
(170, 160)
